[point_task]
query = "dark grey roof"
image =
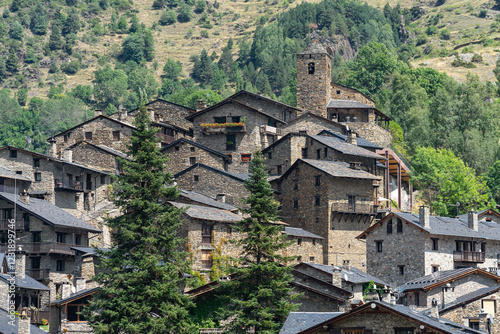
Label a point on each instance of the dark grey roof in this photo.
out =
(25, 283)
(339, 169)
(6, 328)
(237, 176)
(48, 213)
(345, 147)
(298, 232)
(361, 142)
(207, 213)
(439, 276)
(222, 155)
(114, 152)
(353, 274)
(199, 198)
(465, 216)
(470, 297)
(347, 104)
(75, 296)
(314, 47)
(8, 174)
(88, 251)
(91, 120)
(299, 321)
(241, 176)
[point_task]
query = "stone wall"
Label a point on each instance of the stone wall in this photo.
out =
(313, 302)
(94, 157)
(313, 125)
(183, 155)
(306, 249)
(275, 109)
(371, 132)
(284, 154)
(213, 184)
(339, 92)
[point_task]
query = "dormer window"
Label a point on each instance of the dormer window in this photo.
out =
(311, 68)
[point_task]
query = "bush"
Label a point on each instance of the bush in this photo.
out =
(477, 58)
(482, 14)
(53, 67)
(445, 34)
(422, 39)
(204, 33)
(184, 14)
(167, 18)
(200, 6)
(71, 67)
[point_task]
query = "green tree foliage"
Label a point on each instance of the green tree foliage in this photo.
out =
(12, 63)
(135, 26)
(444, 179)
(168, 17)
(55, 40)
(172, 69)
(492, 178)
(184, 13)
(110, 85)
(16, 31)
(39, 18)
(144, 265)
(83, 93)
(200, 6)
(122, 24)
(202, 70)
(72, 23)
(138, 47)
(260, 296)
(22, 96)
(70, 67)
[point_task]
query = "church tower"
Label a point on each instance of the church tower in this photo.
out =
(314, 79)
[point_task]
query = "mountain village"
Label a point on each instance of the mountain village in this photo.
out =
(368, 260)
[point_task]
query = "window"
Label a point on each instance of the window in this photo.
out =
(304, 153)
(8, 213)
(13, 154)
(88, 135)
(351, 203)
(35, 262)
(60, 265)
(78, 239)
(317, 180)
(36, 162)
(192, 149)
(19, 172)
(65, 138)
(314, 241)
(177, 148)
(474, 323)
(389, 226)
(206, 259)
(417, 299)
(103, 179)
(403, 331)
(483, 247)
(399, 226)
(116, 135)
(230, 142)
(317, 201)
(4, 238)
(353, 331)
(295, 203)
(220, 120)
(61, 238)
(435, 244)
(270, 155)
(206, 234)
(489, 306)
(236, 119)
(378, 245)
(192, 160)
(38, 176)
(26, 218)
(279, 169)
(338, 92)
(435, 269)
(311, 68)
(299, 241)
(75, 309)
(401, 270)
(299, 259)
(36, 236)
(311, 259)
(318, 154)
(246, 157)
(229, 230)
(196, 178)
(325, 152)
(296, 186)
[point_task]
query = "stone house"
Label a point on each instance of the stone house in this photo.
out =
(98, 157)
(73, 187)
(346, 277)
(11, 181)
(478, 309)
(47, 233)
(437, 244)
(184, 153)
(215, 183)
(283, 153)
(374, 317)
(313, 124)
(344, 137)
(20, 325)
(29, 293)
(65, 314)
(333, 200)
(235, 129)
(445, 287)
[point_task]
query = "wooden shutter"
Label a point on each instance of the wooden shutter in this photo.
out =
(489, 306)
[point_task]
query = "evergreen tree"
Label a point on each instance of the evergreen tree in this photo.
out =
(55, 40)
(16, 31)
(39, 16)
(260, 295)
(122, 24)
(72, 23)
(12, 63)
(135, 26)
(144, 265)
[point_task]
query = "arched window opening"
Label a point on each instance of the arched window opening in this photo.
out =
(311, 68)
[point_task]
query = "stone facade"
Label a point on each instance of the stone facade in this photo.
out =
(371, 132)
(96, 157)
(216, 184)
(282, 155)
(274, 108)
(64, 317)
(239, 143)
(305, 248)
(312, 124)
(339, 92)
(183, 154)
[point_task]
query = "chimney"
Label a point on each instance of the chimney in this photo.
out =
(434, 309)
(351, 137)
(25, 198)
(24, 325)
(53, 147)
(97, 112)
(473, 221)
(346, 265)
(65, 290)
(68, 156)
(151, 114)
(423, 216)
(484, 321)
(337, 276)
(21, 264)
(81, 284)
(221, 198)
(200, 105)
(124, 114)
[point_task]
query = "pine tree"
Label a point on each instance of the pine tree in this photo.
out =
(144, 267)
(12, 63)
(55, 40)
(260, 295)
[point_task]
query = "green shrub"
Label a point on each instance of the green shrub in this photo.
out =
(71, 67)
(167, 18)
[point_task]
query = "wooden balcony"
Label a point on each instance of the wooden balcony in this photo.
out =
(42, 248)
(10, 224)
(224, 130)
(68, 185)
(39, 274)
(468, 256)
(165, 139)
(206, 239)
(357, 207)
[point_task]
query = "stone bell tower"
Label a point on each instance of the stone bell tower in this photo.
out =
(314, 79)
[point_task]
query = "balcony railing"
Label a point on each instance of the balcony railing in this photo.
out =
(468, 256)
(206, 239)
(37, 316)
(355, 207)
(68, 185)
(271, 130)
(38, 274)
(166, 139)
(224, 130)
(42, 248)
(6, 225)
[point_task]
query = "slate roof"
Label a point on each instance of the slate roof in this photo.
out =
(75, 296)
(441, 277)
(479, 213)
(89, 121)
(298, 321)
(353, 274)
(314, 47)
(337, 169)
(207, 213)
(222, 155)
(202, 199)
(258, 96)
(48, 213)
(298, 232)
(345, 148)
(6, 328)
(114, 152)
(159, 100)
(8, 174)
(88, 251)
(296, 119)
(447, 226)
(347, 104)
(470, 297)
(237, 176)
(25, 283)
(361, 142)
